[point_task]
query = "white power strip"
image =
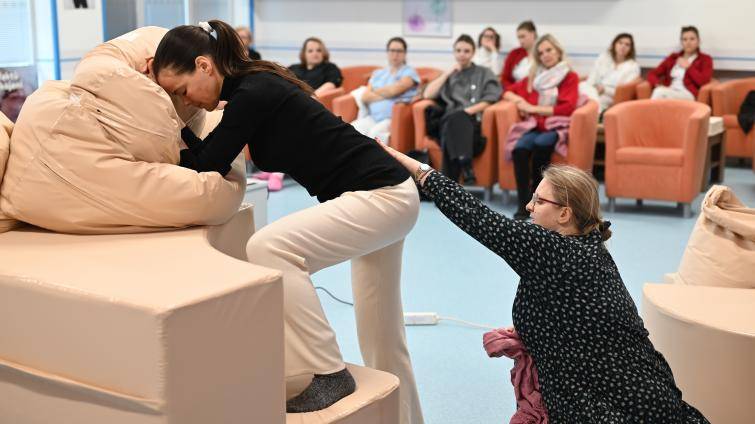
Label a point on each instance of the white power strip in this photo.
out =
(421, 318)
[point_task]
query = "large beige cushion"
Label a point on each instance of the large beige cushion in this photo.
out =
(98, 154)
(721, 249)
(6, 128)
(162, 328)
(132, 50)
(707, 335)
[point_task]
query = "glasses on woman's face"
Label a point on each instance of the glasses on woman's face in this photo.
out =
(396, 51)
(536, 199)
(488, 36)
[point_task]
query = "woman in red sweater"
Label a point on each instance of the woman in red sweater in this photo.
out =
(681, 74)
(550, 89)
(517, 64)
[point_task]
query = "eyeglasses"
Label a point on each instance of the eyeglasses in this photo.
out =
(488, 36)
(396, 51)
(536, 199)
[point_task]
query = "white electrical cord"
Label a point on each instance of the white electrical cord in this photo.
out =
(467, 323)
(419, 318)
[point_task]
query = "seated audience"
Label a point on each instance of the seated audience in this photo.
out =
(464, 91)
(517, 64)
(248, 39)
(395, 83)
(683, 73)
(551, 89)
(315, 68)
(615, 67)
(488, 49)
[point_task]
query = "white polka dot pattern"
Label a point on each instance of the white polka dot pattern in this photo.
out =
(594, 359)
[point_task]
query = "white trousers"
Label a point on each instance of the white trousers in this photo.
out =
(368, 228)
(663, 92)
(367, 126)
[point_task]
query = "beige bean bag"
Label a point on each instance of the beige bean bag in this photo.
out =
(98, 154)
(721, 249)
(6, 128)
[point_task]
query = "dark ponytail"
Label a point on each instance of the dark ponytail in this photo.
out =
(180, 47)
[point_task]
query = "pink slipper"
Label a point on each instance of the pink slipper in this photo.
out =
(261, 175)
(275, 183)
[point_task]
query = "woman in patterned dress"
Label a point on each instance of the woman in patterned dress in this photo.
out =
(594, 359)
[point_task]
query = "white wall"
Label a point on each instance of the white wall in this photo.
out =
(80, 30)
(355, 30)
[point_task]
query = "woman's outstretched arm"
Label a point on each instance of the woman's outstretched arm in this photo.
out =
(523, 245)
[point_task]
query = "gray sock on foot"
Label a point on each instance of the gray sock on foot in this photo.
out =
(323, 391)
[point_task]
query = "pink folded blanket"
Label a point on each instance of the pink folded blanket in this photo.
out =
(530, 408)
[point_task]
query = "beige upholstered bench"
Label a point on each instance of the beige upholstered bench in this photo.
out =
(169, 327)
(374, 402)
(707, 335)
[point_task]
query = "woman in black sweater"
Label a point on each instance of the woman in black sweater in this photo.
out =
(315, 67)
(369, 203)
(594, 360)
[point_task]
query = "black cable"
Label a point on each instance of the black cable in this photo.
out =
(333, 296)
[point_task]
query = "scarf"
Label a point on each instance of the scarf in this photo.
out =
(546, 83)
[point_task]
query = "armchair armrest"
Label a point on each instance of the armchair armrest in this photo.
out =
(346, 107)
(327, 97)
(626, 92)
(420, 126)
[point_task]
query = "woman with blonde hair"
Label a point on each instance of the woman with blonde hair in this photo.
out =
(551, 89)
(594, 360)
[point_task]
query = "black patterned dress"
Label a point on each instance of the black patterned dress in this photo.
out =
(576, 318)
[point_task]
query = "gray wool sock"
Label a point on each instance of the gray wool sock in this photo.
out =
(323, 391)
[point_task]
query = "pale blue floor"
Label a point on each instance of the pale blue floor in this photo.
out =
(447, 272)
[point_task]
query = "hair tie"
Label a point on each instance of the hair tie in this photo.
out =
(207, 28)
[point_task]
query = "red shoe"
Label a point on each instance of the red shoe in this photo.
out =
(275, 182)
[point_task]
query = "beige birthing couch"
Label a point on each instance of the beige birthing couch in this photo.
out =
(98, 326)
(169, 327)
(703, 319)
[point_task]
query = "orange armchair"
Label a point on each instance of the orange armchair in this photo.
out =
(402, 123)
(627, 92)
(353, 78)
(644, 90)
(329, 96)
(582, 136)
(727, 99)
(356, 76)
(484, 165)
(655, 149)
(427, 74)
(402, 120)
(402, 126)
